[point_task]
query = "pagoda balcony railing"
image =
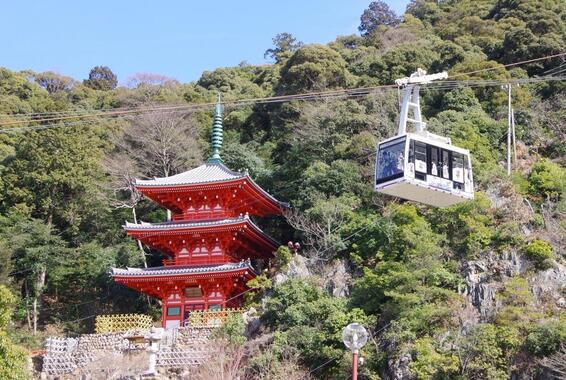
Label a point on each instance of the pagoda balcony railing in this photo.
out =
(206, 260)
(211, 318)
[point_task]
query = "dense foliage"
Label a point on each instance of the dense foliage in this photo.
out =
(413, 280)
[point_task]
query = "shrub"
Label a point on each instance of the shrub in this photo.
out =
(258, 286)
(7, 301)
(232, 330)
(13, 359)
(283, 257)
(430, 363)
(547, 179)
(544, 340)
(537, 221)
(487, 358)
(540, 253)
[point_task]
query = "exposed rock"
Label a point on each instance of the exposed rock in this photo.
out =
(297, 269)
(550, 283)
(252, 321)
(337, 279)
(484, 278)
(400, 367)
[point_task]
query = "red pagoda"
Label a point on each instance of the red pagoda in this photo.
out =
(209, 241)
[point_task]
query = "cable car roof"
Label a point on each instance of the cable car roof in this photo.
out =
(431, 139)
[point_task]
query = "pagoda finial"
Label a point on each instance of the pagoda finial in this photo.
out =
(216, 138)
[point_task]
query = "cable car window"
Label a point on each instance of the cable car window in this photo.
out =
(391, 161)
(420, 157)
(445, 162)
(434, 161)
(467, 170)
(457, 167)
(411, 159)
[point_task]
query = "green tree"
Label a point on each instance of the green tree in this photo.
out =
(54, 82)
(101, 78)
(468, 226)
(232, 331)
(432, 363)
(545, 339)
(55, 173)
(20, 95)
(547, 180)
(7, 302)
(518, 309)
(283, 43)
(377, 14)
(483, 354)
(13, 359)
(35, 250)
(313, 67)
(310, 321)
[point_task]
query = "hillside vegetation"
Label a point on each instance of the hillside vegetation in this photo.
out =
(474, 291)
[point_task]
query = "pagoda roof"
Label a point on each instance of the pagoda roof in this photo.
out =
(201, 177)
(182, 270)
(142, 230)
(209, 172)
(150, 280)
(186, 225)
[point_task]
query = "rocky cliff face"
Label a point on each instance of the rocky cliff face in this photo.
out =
(550, 285)
(297, 268)
(484, 277)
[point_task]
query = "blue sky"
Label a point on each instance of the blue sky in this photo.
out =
(179, 39)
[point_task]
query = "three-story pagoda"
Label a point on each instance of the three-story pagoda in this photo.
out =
(209, 241)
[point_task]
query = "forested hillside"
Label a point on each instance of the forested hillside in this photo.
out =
(474, 291)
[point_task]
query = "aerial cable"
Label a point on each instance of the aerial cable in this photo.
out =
(349, 93)
(250, 101)
(510, 65)
(357, 92)
(448, 86)
(254, 100)
(552, 70)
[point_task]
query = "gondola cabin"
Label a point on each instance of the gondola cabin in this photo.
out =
(424, 168)
(421, 166)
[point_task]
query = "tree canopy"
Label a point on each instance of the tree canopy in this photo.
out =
(470, 291)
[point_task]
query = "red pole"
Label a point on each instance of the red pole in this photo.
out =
(355, 365)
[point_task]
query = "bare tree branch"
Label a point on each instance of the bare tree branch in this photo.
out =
(321, 234)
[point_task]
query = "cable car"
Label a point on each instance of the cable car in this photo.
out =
(421, 166)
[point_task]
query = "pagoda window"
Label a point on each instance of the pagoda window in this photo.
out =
(200, 251)
(216, 251)
(174, 297)
(193, 291)
(173, 311)
(215, 307)
(215, 294)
